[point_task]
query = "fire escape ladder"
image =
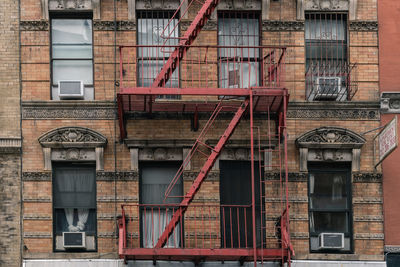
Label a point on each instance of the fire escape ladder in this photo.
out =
(202, 175)
(190, 35)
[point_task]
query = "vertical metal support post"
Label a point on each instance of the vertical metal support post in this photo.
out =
(285, 102)
(253, 206)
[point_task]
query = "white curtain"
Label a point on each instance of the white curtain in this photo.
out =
(154, 224)
(157, 213)
(83, 215)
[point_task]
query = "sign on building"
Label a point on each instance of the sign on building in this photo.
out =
(388, 139)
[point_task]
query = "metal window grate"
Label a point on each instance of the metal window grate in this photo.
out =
(327, 68)
(238, 61)
(150, 31)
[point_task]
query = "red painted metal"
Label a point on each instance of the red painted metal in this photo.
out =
(203, 174)
(271, 97)
(190, 35)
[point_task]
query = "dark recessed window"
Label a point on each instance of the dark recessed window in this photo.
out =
(330, 214)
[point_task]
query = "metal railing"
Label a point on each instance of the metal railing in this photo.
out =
(204, 66)
(331, 82)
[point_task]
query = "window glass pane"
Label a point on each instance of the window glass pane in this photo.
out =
(72, 51)
(71, 31)
(74, 188)
(329, 222)
(325, 27)
(148, 70)
(239, 75)
(81, 70)
(151, 27)
(327, 184)
(240, 31)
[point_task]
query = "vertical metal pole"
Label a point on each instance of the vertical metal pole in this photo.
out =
(253, 206)
(285, 102)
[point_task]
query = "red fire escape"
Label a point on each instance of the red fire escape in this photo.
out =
(241, 233)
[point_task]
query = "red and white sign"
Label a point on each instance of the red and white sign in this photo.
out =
(388, 139)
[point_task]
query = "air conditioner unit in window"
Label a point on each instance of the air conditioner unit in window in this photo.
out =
(327, 88)
(74, 239)
(331, 241)
(70, 90)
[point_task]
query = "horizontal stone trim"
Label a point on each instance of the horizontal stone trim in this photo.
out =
(363, 26)
(369, 236)
(368, 218)
(191, 175)
(39, 200)
(367, 177)
(293, 217)
(38, 217)
(10, 145)
(119, 176)
(293, 235)
(292, 176)
(44, 110)
(200, 236)
(282, 26)
(105, 216)
(334, 110)
(367, 200)
(298, 199)
(107, 234)
(392, 249)
(36, 176)
(37, 235)
(110, 25)
(118, 199)
(35, 25)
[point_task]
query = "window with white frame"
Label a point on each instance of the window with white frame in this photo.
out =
(238, 57)
(326, 56)
(74, 204)
(330, 211)
(151, 38)
(72, 58)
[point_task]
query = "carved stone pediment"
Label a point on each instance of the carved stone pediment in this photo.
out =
(239, 5)
(326, 137)
(157, 4)
(73, 144)
(327, 5)
(70, 5)
(330, 144)
(77, 137)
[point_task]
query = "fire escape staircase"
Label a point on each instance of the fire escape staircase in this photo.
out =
(160, 81)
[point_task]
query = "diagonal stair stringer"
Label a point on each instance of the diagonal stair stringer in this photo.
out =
(178, 214)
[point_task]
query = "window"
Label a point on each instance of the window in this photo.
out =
(326, 56)
(72, 58)
(235, 200)
(155, 212)
(74, 202)
(238, 67)
(151, 59)
(330, 205)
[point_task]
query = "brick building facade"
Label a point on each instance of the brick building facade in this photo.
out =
(388, 61)
(10, 136)
(81, 161)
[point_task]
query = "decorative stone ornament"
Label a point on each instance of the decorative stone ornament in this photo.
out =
(73, 144)
(70, 5)
(326, 5)
(330, 144)
(390, 102)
